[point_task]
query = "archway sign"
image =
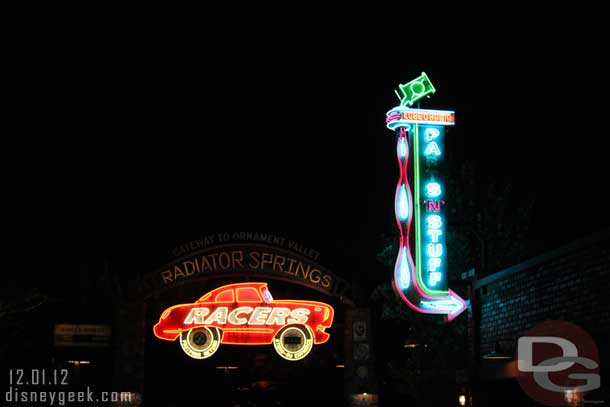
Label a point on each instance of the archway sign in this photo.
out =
(422, 282)
(245, 312)
(249, 255)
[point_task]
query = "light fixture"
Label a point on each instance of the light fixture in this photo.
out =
(498, 353)
(462, 400)
(572, 397)
(79, 362)
(497, 356)
(412, 345)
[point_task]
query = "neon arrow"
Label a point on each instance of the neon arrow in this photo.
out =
(453, 305)
(408, 282)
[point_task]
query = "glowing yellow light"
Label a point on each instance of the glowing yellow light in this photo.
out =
(305, 335)
(462, 400)
(492, 356)
(79, 362)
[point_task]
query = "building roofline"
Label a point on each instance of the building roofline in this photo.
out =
(570, 247)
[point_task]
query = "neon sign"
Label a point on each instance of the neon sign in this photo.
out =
(415, 90)
(430, 246)
(402, 116)
(246, 314)
(422, 284)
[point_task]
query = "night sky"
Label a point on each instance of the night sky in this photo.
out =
(143, 148)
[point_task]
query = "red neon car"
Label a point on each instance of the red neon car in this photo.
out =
(246, 314)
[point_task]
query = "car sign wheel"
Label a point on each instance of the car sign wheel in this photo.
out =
(200, 343)
(293, 342)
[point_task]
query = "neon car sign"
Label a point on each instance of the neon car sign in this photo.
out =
(246, 314)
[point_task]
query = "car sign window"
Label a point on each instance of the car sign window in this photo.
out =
(225, 296)
(247, 294)
(267, 295)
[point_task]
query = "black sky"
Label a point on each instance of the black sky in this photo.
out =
(142, 148)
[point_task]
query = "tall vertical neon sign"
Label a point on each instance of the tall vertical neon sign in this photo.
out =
(422, 284)
(430, 247)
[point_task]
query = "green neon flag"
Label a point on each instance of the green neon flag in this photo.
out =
(415, 90)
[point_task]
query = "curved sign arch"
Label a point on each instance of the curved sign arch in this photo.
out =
(251, 260)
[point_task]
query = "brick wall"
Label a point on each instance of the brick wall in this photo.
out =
(571, 283)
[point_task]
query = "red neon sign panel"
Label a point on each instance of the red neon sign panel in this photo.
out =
(246, 314)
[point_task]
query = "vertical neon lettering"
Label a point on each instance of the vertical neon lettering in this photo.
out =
(433, 189)
(434, 234)
(434, 221)
(435, 250)
(432, 133)
(432, 149)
